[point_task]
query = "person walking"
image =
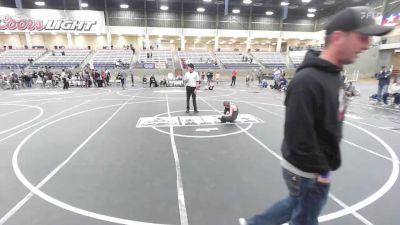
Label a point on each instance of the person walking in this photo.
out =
(234, 74)
(122, 76)
(315, 107)
(192, 81)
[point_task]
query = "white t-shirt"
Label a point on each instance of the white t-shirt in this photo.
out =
(191, 78)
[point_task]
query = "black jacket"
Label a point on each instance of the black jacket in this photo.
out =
(315, 106)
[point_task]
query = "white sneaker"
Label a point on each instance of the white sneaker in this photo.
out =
(242, 221)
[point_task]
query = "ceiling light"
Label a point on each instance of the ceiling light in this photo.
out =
(200, 10)
(329, 2)
(305, 1)
(124, 6)
(206, 0)
(284, 3)
(84, 5)
(247, 1)
(40, 3)
(312, 10)
(164, 7)
(171, 41)
(311, 15)
(269, 13)
(236, 11)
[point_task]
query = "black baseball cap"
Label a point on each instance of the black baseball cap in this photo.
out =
(359, 19)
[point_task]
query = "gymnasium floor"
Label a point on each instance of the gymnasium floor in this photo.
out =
(113, 156)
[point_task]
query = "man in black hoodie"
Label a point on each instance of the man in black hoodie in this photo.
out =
(315, 107)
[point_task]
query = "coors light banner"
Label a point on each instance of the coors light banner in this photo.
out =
(20, 20)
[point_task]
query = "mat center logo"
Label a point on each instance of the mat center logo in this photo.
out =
(178, 121)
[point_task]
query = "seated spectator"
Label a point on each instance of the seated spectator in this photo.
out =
(350, 90)
(394, 90)
(163, 82)
(282, 82)
(153, 81)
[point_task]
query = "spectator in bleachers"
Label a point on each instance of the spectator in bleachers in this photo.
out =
(251, 60)
(192, 81)
(234, 74)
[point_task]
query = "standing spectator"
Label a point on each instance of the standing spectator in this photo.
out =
(383, 83)
(217, 77)
(104, 78)
(234, 74)
(315, 107)
(108, 77)
(132, 79)
(192, 81)
(122, 75)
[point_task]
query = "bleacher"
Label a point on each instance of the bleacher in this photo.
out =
(201, 60)
(234, 60)
(270, 59)
(72, 58)
(110, 58)
(159, 59)
(18, 58)
(297, 57)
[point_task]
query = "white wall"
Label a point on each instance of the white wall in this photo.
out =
(16, 40)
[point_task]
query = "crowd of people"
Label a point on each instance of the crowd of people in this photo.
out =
(385, 89)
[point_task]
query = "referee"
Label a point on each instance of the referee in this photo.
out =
(192, 81)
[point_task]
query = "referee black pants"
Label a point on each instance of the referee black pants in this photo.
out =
(190, 92)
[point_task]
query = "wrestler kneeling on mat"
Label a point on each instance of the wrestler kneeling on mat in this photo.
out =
(230, 113)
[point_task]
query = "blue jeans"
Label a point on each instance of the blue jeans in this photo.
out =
(382, 90)
(306, 199)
